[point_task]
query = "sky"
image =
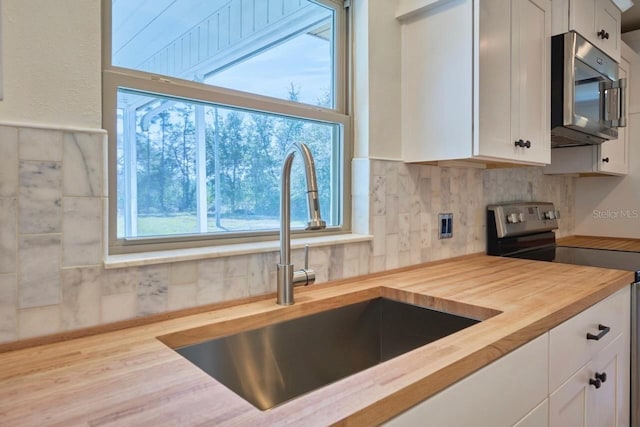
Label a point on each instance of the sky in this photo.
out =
(304, 61)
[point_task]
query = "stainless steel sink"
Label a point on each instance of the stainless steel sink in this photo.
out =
(275, 363)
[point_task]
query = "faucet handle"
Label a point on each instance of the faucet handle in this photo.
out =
(306, 257)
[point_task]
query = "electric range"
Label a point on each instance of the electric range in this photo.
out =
(526, 230)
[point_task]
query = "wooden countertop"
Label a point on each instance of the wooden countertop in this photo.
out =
(129, 377)
(613, 243)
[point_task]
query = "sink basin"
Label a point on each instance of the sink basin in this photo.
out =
(275, 363)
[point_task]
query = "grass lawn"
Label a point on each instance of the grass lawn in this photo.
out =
(187, 224)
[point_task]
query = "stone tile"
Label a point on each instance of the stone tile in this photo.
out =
(378, 263)
(183, 273)
(40, 202)
(8, 307)
(8, 161)
(82, 231)
(8, 235)
(364, 256)
(83, 164)
(379, 195)
(404, 258)
(38, 321)
(236, 266)
(379, 235)
(81, 292)
(391, 214)
(119, 281)
(403, 232)
(336, 261)
(211, 280)
(182, 296)
(39, 270)
(391, 252)
(426, 233)
(152, 290)
(391, 178)
(259, 273)
(118, 307)
(40, 144)
(378, 167)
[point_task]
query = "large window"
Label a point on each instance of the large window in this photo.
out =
(202, 99)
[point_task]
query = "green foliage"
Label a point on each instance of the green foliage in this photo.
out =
(244, 154)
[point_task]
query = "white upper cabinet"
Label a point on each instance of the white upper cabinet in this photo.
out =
(475, 82)
(598, 21)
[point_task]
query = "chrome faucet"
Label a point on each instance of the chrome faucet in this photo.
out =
(287, 277)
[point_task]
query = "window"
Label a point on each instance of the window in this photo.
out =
(202, 99)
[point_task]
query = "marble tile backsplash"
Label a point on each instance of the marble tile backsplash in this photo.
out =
(53, 198)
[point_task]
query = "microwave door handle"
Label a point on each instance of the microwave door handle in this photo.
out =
(622, 98)
(605, 102)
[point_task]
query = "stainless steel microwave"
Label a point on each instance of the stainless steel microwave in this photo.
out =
(587, 98)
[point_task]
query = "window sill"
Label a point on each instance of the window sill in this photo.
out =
(192, 254)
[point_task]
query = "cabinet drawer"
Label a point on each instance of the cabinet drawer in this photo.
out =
(569, 348)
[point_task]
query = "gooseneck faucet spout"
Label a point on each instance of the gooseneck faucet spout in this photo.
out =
(287, 277)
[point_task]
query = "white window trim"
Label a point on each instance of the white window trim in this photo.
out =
(115, 77)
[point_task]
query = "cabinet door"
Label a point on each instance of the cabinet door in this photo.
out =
(582, 18)
(613, 157)
(590, 17)
(531, 29)
(538, 417)
(572, 404)
(607, 28)
(494, 86)
(612, 398)
(498, 395)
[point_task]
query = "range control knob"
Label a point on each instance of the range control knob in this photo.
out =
(520, 217)
(550, 215)
(512, 218)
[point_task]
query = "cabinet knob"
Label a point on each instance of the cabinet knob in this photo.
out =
(603, 34)
(521, 143)
(596, 383)
(601, 376)
(606, 160)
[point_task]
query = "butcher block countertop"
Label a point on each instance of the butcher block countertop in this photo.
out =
(130, 377)
(613, 243)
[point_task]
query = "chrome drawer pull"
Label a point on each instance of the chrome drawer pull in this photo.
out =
(604, 330)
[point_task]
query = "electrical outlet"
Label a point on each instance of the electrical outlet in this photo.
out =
(445, 221)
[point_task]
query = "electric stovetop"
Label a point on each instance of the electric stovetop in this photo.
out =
(603, 258)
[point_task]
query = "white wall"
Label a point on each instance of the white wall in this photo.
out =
(610, 206)
(51, 62)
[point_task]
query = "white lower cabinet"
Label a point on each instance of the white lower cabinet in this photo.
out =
(598, 394)
(501, 394)
(571, 404)
(538, 417)
(589, 377)
(576, 375)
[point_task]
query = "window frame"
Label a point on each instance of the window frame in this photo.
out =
(114, 77)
